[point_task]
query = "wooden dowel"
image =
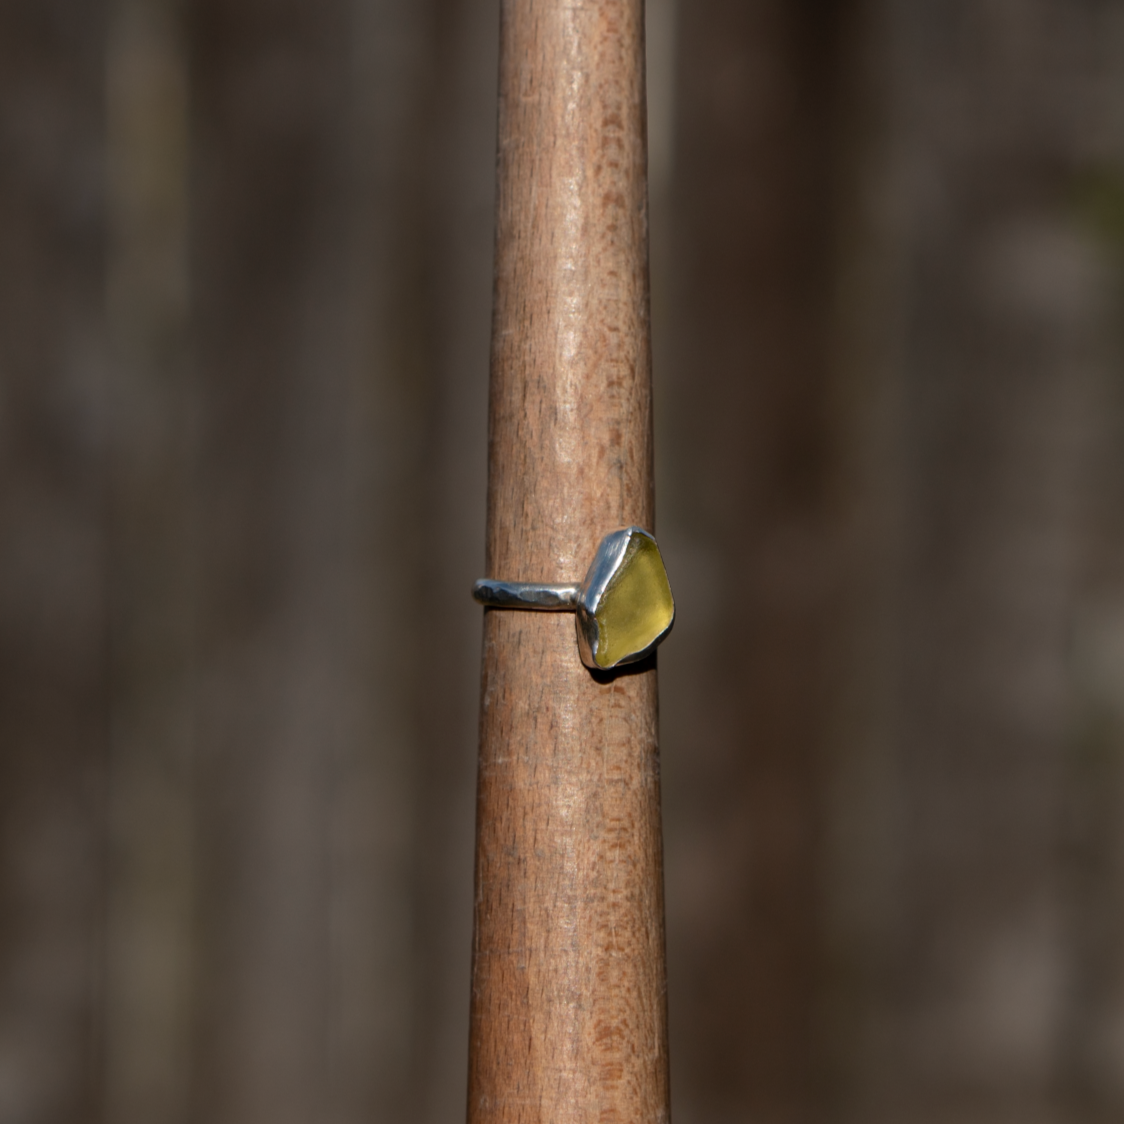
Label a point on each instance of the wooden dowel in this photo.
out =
(569, 984)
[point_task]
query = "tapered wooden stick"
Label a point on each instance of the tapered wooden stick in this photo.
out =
(568, 999)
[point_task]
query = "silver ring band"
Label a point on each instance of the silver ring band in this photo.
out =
(527, 595)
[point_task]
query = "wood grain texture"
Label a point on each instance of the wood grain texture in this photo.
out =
(568, 1000)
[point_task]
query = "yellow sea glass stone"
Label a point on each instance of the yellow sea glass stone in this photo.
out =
(637, 607)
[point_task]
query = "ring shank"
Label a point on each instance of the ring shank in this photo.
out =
(526, 595)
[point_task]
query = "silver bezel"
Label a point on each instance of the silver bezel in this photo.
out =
(606, 562)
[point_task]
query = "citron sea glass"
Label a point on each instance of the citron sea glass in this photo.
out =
(637, 605)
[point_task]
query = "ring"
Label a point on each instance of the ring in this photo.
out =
(624, 607)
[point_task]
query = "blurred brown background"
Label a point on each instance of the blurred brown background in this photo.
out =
(245, 288)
